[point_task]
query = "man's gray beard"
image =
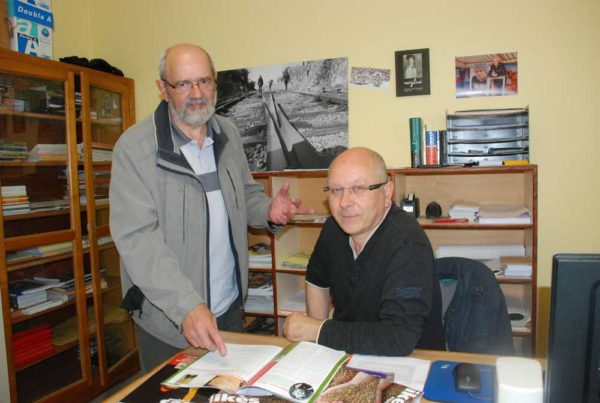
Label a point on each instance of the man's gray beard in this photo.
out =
(193, 118)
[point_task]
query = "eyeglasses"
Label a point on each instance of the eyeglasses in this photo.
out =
(185, 86)
(357, 191)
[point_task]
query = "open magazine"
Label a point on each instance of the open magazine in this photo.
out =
(300, 368)
(298, 372)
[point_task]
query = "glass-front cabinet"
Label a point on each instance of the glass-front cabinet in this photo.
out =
(66, 336)
(106, 114)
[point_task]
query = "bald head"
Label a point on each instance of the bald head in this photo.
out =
(177, 53)
(369, 159)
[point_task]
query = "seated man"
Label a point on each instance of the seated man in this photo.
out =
(375, 263)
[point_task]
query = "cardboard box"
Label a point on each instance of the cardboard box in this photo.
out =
(30, 27)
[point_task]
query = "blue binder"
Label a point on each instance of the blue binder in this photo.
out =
(440, 384)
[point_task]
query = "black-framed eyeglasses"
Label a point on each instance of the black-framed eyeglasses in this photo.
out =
(357, 191)
(185, 86)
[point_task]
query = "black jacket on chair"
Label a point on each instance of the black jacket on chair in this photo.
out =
(476, 319)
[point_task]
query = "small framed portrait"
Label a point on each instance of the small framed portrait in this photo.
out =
(412, 72)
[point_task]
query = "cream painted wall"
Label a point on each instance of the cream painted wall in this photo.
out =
(556, 41)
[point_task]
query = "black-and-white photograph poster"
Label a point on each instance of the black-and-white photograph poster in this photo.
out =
(412, 72)
(494, 74)
(290, 116)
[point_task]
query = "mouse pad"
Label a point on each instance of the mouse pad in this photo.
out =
(440, 384)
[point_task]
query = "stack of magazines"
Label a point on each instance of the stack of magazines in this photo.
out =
(13, 150)
(260, 293)
(260, 256)
(462, 209)
(15, 200)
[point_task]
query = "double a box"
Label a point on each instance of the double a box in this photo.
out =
(30, 27)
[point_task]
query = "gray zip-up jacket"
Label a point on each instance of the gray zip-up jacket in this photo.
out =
(159, 219)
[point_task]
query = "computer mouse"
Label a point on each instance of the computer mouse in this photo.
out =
(467, 377)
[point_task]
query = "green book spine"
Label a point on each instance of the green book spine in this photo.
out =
(416, 128)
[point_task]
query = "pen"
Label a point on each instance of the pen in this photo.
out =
(449, 220)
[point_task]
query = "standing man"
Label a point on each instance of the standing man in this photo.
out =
(375, 263)
(181, 198)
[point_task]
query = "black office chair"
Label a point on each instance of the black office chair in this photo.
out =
(474, 310)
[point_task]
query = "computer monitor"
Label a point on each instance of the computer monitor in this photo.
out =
(573, 373)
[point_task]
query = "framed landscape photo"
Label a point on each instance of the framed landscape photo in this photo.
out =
(412, 72)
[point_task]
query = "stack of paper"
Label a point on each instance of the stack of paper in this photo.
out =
(463, 209)
(517, 266)
(15, 200)
(48, 152)
(480, 252)
(504, 214)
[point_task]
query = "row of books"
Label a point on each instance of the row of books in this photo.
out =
(490, 213)
(49, 250)
(17, 151)
(32, 344)
(40, 293)
(427, 147)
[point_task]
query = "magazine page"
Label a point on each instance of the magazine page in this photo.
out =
(227, 373)
(408, 371)
(299, 373)
(347, 385)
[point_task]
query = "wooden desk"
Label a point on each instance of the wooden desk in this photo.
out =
(246, 338)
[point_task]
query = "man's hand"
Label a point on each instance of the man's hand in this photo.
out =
(200, 330)
(299, 327)
(283, 207)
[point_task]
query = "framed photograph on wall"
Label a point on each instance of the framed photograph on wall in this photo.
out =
(412, 72)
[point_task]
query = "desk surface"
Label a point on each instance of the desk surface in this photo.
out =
(246, 338)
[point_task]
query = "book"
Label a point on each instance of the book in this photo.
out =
(297, 261)
(432, 147)
(299, 372)
(416, 127)
(27, 286)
